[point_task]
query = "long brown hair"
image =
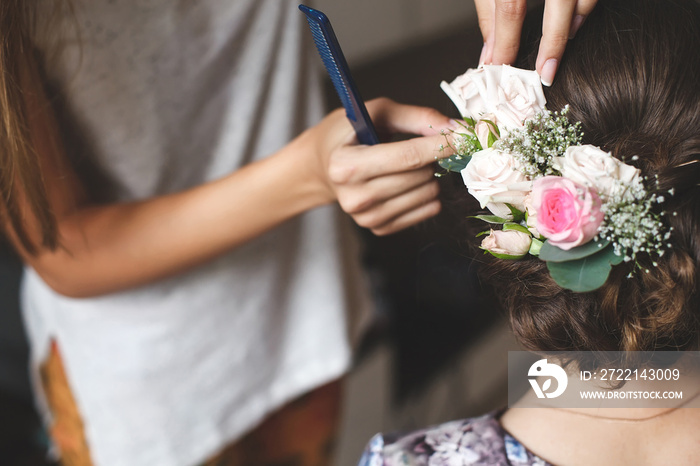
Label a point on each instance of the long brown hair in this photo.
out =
(20, 170)
(632, 78)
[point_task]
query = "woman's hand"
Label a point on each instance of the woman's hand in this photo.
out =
(390, 186)
(501, 22)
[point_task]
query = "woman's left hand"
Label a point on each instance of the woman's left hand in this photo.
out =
(501, 22)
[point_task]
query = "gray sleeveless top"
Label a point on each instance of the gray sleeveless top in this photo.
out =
(156, 96)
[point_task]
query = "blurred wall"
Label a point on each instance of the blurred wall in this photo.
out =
(369, 29)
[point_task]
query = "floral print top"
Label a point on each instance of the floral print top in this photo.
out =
(469, 442)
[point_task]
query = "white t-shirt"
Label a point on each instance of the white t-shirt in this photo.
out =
(158, 96)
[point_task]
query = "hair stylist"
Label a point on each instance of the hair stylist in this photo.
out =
(188, 273)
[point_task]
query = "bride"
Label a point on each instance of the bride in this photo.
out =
(631, 78)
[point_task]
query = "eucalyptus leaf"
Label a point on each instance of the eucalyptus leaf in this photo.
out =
(551, 253)
(615, 259)
(586, 274)
(455, 163)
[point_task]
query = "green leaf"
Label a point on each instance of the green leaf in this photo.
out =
(492, 139)
(551, 253)
(586, 274)
(535, 247)
(516, 227)
(491, 219)
(504, 256)
(483, 233)
(455, 163)
(518, 216)
(494, 127)
(470, 122)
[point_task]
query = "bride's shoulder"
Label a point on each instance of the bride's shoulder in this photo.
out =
(479, 440)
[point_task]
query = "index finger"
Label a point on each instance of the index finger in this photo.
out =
(485, 12)
(509, 18)
(399, 157)
(562, 19)
(393, 117)
(556, 26)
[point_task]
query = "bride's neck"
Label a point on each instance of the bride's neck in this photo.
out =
(640, 436)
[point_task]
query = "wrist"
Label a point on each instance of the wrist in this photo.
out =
(300, 174)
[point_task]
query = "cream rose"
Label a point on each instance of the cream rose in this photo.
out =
(512, 95)
(493, 179)
(510, 243)
(594, 168)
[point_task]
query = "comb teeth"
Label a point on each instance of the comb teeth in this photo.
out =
(332, 68)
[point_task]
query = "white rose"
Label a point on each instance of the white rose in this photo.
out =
(511, 94)
(493, 179)
(590, 166)
(511, 243)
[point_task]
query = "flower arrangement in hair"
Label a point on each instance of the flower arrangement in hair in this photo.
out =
(574, 206)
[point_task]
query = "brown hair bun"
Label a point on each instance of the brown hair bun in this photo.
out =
(632, 78)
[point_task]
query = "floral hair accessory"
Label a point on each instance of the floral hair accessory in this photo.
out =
(574, 206)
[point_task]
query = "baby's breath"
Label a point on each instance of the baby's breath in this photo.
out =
(542, 138)
(632, 225)
(465, 144)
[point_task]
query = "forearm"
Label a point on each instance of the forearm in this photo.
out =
(119, 246)
(113, 247)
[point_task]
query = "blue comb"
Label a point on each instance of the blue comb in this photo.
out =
(337, 67)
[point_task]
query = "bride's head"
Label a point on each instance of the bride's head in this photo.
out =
(632, 78)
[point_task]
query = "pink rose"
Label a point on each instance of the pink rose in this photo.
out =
(510, 243)
(568, 214)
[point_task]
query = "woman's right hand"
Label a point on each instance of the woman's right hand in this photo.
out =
(111, 247)
(389, 186)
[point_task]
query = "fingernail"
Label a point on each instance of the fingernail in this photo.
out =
(576, 25)
(486, 53)
(483, 55)
(548, 71)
